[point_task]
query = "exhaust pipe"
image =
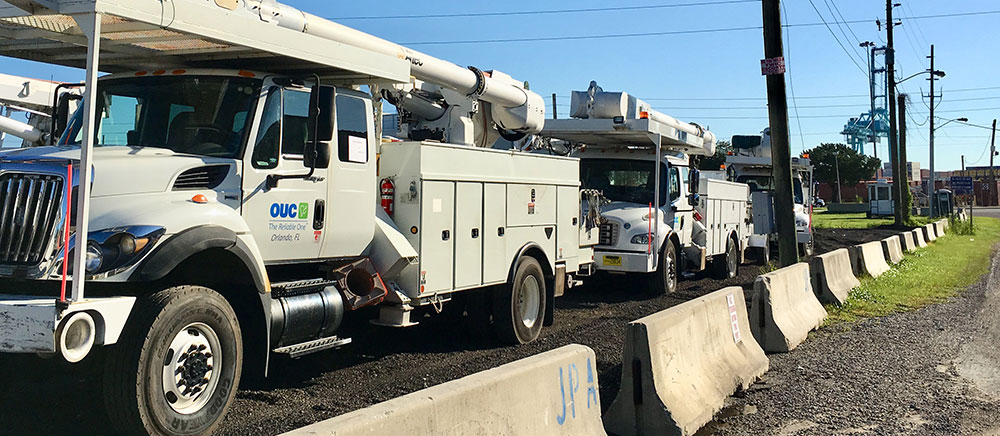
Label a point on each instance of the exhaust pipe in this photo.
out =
(76, 337)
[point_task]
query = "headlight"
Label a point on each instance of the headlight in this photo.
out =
(799, 222)
(113, 250)
(641, 239)
(95, 258)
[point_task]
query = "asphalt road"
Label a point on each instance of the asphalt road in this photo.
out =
(992, 212)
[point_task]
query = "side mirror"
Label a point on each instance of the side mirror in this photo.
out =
(694, 177)
(316, 155)
(322, 114)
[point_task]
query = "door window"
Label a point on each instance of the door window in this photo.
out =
(352, 129)
(284, 127)
(675, 184)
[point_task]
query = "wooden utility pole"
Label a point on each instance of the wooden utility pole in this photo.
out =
(902, 181)
(773, 67)
(896, 187)
(890, 71)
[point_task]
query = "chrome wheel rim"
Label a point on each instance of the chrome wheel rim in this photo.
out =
(528, 301)
(190, 374)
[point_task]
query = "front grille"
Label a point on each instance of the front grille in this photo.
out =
(609, 234)
(30, 210)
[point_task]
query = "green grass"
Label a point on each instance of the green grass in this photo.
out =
(827, 220)
(930, 275)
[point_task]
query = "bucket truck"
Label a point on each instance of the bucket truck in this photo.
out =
(35, 99)
(750, 163)
(664, 219)
(222, 197)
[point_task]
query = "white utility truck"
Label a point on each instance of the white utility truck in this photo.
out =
(639, 159)
(222, 196)
(750, 163)
(34, 100)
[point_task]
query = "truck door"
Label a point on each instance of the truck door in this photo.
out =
(680, 212)
(287, 221)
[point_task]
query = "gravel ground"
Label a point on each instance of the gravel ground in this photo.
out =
(935, 371)
(381, 364)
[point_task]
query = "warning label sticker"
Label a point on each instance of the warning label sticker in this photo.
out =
(734, 319)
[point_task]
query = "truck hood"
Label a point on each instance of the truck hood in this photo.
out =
(626, 212)
(117, 170)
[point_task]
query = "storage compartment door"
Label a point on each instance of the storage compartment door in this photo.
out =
(437, 236)
(496, 265)
(468, 234)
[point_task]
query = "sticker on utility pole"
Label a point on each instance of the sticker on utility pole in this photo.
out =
(734, 319)
(772, 66)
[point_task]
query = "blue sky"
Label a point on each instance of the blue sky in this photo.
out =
(712, 78)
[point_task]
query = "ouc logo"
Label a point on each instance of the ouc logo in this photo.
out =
(290, 210)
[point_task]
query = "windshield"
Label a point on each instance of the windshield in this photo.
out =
(766, 184)
(202, 115)
(630, 181)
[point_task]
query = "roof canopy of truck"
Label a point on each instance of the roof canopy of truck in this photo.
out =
(631, 133)
(152, 34)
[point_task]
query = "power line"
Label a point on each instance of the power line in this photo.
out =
(856, 43)
(675, 32)
(546, 11)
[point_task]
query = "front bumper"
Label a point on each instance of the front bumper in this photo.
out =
(618, 261)
(30, 324)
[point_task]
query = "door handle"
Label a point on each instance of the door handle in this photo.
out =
(319, 214)
(475, 233)
(445, 235)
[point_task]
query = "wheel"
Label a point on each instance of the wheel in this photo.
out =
(177, 365)
(519, 307)
(664, 279)
(725, 267)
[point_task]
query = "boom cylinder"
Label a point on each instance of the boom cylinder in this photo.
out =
(423, 66)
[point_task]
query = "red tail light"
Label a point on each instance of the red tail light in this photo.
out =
(388, 191)
(697, 216)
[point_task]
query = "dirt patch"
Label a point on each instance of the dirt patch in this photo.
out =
(827, 240)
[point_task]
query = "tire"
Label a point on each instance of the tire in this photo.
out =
(664, 279)
(145, 361)
(519, 307)
(726, 266)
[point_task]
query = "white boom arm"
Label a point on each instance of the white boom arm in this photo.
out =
(514, 108)
(21, 130)
(34, 97)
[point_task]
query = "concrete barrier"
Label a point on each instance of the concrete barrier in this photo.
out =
(946, 223)
(785, 309)
(893, 250)
(939, 228)
(869, 258)
(928, 231)
(907, 242)
(918, 237)
(681, 364)
(553, 393)
(833, 277)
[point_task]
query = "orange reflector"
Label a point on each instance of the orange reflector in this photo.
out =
(179, 71)
(413, 230)
(644, 115)
(245, 73)
(141, 73)
(159, 72)
(200, 199)
(722, 167)
(729, 153)
(805, 156)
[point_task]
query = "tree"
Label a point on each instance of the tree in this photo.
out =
(854, 167)
(715, 161)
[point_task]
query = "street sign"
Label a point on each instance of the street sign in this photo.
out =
(773, 66)
(961, 185)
